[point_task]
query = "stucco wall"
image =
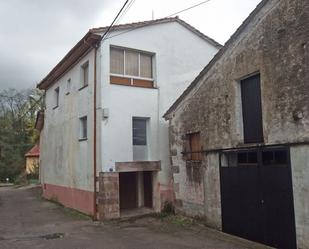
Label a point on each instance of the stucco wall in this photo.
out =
(179, 56)
(275, 44)
(68, 162)
(65, 160)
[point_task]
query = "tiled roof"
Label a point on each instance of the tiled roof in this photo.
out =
(93, 36)
(35, 151)
(136, 25)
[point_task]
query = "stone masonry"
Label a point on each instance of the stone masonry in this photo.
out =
(273, 41)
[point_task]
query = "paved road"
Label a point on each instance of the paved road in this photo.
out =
(26, 221)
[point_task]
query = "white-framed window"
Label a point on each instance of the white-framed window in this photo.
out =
(139, 131)
(85, 74)
(56, 97)
(83, 128)
(131, 63)
(140, 135)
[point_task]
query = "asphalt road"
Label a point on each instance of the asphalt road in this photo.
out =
(27, 221)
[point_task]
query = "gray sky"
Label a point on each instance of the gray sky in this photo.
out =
(36, 34)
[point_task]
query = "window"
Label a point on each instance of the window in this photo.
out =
(275, 157)
(146, 65)
(131, 63)
(129, 67)
(83, 128)
(56, 97)
(252, 109)
(139, 131)
(193, 147)
(68, 86)
(117, 61)
(85, 74)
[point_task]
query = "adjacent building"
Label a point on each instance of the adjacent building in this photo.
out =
(239, 134)
(104, 143)
(33, 161)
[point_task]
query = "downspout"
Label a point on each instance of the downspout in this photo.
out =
(95, 135)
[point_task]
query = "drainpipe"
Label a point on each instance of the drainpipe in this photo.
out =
(95, 135)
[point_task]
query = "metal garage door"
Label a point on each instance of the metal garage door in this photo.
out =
(257, 196)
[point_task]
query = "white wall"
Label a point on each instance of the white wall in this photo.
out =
(179, 56)
(65, 160)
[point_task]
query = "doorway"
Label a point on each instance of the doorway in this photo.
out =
(135, 192)
(257, 195)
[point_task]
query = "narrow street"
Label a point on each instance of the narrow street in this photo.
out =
(27, 221)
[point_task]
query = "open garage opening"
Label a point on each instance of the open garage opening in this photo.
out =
(135, 193)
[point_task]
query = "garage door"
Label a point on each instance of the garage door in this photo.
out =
(257, 196)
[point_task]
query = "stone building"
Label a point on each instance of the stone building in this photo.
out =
(239, 134)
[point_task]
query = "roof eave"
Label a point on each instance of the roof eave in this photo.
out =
(86, 43)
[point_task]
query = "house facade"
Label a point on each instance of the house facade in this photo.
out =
(104, 143)
(239, 134)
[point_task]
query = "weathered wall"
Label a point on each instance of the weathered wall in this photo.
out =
(67, 162)
(300, 172)
(275, 44)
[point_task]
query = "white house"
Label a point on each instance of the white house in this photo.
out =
(104, 143)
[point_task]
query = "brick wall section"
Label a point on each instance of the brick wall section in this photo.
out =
(108, 196)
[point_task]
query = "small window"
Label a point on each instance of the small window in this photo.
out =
(68, 86)
(85, 74)
(193, 147)
(83, 127)
(252, 109)
(139, 131)
(275, 157)
(56, 93)
(246, 158)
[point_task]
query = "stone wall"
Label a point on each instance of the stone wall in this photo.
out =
(274, 42)
(108, 196)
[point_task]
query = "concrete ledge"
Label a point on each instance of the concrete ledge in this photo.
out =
(138, 166)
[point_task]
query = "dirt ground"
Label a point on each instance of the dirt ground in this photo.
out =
(27, 221)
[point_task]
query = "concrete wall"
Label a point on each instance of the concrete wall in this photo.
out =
(275, 44)
(179, 56)
(300, 173)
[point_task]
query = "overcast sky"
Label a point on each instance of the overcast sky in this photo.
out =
(36, 34)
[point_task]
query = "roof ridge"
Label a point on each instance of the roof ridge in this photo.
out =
(134, 25)
(139, 23)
